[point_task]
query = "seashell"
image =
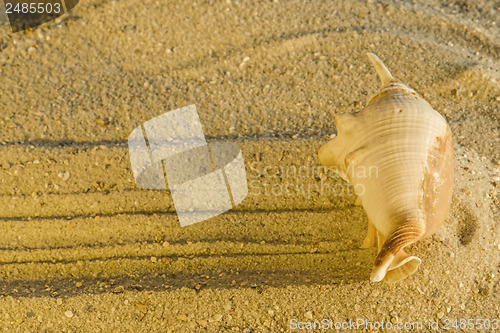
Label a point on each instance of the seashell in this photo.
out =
(398, 153)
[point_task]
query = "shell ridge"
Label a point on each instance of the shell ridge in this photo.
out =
(402, 236)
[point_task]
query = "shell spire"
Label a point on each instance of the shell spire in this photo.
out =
(383, 72)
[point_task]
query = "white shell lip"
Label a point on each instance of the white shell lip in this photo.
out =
(392, 271)
(409, 143)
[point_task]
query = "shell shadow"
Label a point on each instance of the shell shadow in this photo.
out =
(467, 224)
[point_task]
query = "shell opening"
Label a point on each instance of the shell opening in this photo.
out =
(395, 268)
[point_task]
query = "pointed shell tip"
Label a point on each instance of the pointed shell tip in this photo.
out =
(383, 72)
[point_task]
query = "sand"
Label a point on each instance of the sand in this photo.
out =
(83, 249)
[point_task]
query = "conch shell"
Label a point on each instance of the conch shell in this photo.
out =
(407, 145)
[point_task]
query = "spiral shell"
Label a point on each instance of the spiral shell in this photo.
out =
(408, 147)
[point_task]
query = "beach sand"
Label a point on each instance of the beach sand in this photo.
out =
(84, 249)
